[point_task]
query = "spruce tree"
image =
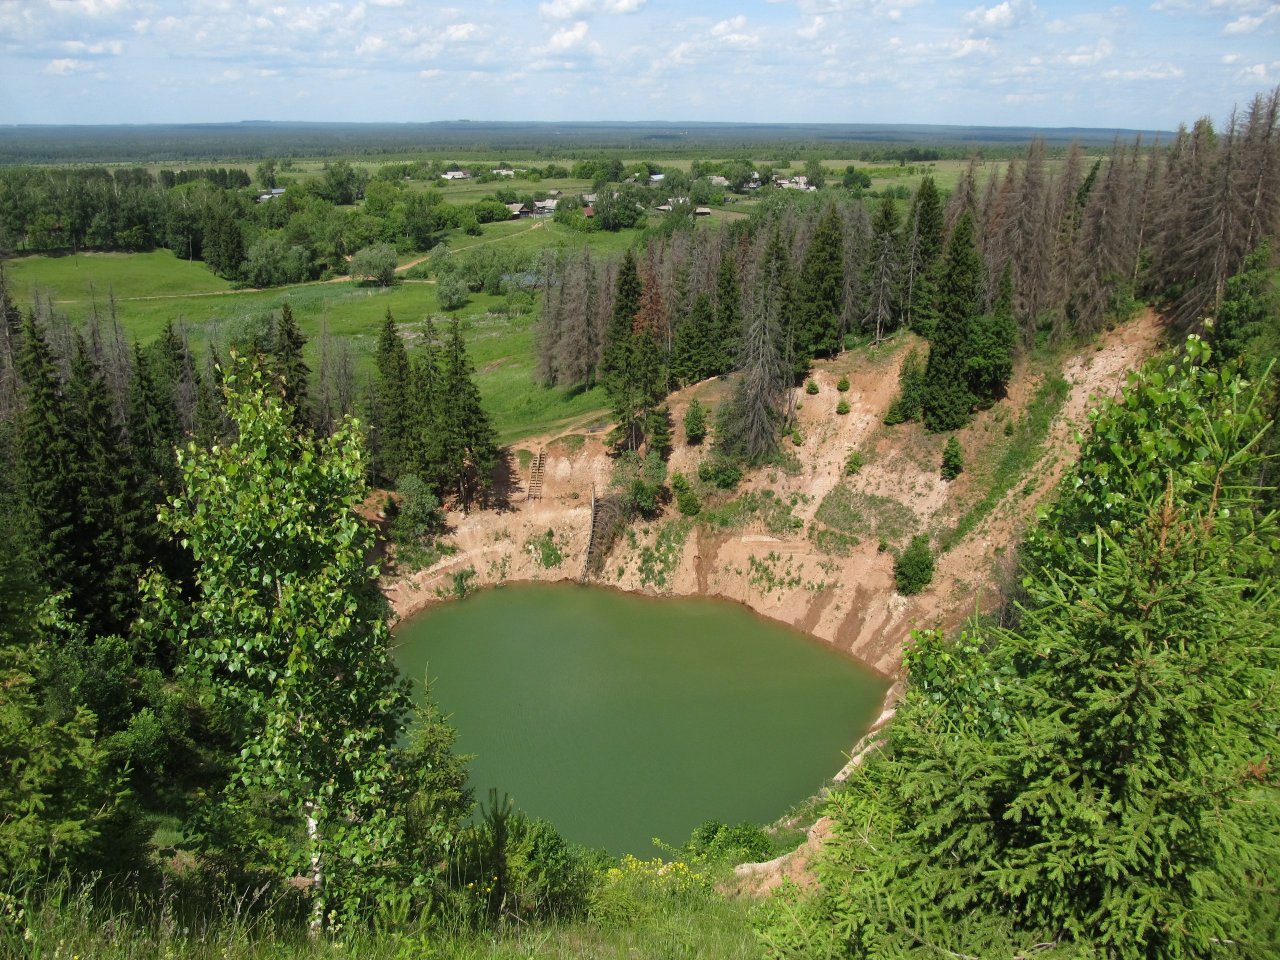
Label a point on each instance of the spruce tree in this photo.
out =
(820, 295)
(693, 356)
(617, 369)
(287, 342)
(882, 273)
(390, 416)
(925, 251)
(728, 318)
(470, 443)
(111, 533)
(947, 398)
(48, 481)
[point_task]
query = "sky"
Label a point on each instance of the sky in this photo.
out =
(1017, 62)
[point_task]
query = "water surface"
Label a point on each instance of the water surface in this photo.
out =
(621, 718)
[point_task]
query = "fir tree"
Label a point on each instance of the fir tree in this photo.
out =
(693, 357)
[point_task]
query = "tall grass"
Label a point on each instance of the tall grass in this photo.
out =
(649, 913)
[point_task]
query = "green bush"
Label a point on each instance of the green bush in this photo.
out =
(514, 866)
(952, 459)
(913, 570)
(721, 472)
(545, 549)
(713, 841)
(811, 388)
(797, 438)
(686, 498)
(842, 407)
(854, 462)
(843, 385)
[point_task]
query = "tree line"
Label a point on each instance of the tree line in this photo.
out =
(1041, 253)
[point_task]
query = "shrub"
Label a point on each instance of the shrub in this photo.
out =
(913, 570)
(911, 384)
(797, 438)
(512, 865)
(376, 264)
(842, 407)
(545, 549)
(721, 472)
(854, 462)
(713, 841)
(686, 499)
(952, 459)
(843, 385)
(811, 388)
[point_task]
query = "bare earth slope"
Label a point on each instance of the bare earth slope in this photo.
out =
(847, 600)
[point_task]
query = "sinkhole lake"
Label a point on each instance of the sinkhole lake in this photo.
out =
(621, 718)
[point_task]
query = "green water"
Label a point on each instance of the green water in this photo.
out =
(620, 718)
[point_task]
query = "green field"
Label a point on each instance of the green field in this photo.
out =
(152, 288)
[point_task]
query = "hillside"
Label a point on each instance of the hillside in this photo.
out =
(782, 543)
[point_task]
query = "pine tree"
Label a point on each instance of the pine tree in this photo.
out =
(948, 399)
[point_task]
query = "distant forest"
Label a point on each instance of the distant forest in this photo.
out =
(905, 143)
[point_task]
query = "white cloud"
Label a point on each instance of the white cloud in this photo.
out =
(1001, 15)
(1088, 56)
(65, 66)
(457, 32)
(370, 45)
(103, 47)
(573, 38)
(1231, 58)
(572, 9)
(1243, 24)
(814, 27)
(1166, 71)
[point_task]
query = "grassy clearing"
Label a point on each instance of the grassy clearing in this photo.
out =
(847, 516)
(89, 276)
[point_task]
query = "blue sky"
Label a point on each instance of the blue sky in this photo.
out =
(1143, 65)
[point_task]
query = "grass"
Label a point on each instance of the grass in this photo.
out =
(850, 515)
(86, 276)
(649, 920)
(1025, 448)
(153, 288)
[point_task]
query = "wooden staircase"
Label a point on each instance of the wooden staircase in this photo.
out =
(594, 537)
(536, 472)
